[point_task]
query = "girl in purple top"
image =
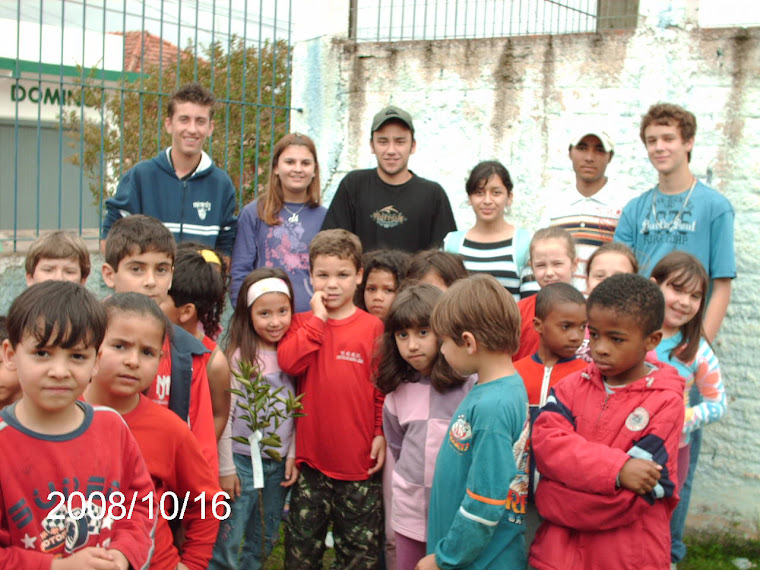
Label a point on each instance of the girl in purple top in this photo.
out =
(262, 317)
(422, 394)
(275, 230)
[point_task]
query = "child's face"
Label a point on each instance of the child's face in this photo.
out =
(338, 279)
(418, 346)
(149, 273)
(563, 329)
(618, 345)
(605, 265)
(271, 316)
(51, 377)
(551, 262)
(47, 269)
(10, 390)
(681, 303)
(667, 150)
(380, 292)
(129, 354)
(171, 310)
(433, 278)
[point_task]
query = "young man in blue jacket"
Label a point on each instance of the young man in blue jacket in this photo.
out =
(181, 186)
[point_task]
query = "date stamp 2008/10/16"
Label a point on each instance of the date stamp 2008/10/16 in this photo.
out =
(116, 507)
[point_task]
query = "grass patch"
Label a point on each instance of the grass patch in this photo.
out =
(716, 551)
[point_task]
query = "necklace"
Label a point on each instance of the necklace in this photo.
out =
(293, 215)
(669, 226)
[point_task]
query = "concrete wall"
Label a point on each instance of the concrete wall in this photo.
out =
(515, 99)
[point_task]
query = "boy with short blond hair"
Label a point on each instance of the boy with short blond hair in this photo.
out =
(58, 255)
(70, 509)
(139, 255)
(339, 443)
(477, 502)
(606, 442)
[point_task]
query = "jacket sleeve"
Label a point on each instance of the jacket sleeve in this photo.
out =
(484, 502)
(443, 219)
(710, 384)
(201, 415)
(126, 201)
(196, 481)
(133, 535)
(245, 252)
(564, 455)
(340, 214)
(228, 222)
(302, 342)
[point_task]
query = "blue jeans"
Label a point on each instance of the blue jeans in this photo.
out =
(245, 518)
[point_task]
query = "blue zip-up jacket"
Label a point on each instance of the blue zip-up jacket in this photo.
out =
(200, 208)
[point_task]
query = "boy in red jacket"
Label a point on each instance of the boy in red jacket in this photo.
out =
(607, 440)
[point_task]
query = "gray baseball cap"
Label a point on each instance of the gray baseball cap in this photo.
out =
(392, 112)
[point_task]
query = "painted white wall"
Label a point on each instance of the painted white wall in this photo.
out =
(516, 99)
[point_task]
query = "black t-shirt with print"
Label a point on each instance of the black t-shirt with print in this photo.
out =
(412, 216)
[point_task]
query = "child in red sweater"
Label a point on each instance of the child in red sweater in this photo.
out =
(560, 323)
(340, 446)
(73, 483)
(553, 260)
(128, 362)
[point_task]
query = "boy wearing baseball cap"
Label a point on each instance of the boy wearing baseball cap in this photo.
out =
(590, 213)
(390, 206)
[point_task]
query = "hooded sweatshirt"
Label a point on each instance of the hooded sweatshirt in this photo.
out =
(198, 208)
(581, 440)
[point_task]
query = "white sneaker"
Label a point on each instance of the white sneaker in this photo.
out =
(329, 541)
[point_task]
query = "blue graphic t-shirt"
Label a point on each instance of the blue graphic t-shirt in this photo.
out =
(654, 224)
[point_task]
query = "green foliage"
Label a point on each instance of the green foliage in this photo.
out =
(712, 551)
(260, 402)
(251, 89)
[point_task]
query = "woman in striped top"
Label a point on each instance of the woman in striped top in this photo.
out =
(492, 245)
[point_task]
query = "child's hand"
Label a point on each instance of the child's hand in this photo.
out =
(291, 472)
(639, 475)
(121, 561)
(318, 305)
(230, 484)
(90, 558)
(377, 452)
(427, 563)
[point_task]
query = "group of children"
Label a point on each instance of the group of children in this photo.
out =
(425, 373)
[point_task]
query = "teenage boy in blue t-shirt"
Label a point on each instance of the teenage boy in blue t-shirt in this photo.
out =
(681, 213)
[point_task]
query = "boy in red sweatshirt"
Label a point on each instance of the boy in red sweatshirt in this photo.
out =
(606, 442)
(339, 442)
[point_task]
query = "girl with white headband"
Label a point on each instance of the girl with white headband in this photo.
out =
(262, 317)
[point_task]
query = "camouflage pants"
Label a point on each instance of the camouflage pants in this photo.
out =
(355, 509)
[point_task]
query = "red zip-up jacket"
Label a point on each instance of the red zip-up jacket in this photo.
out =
(581, 440)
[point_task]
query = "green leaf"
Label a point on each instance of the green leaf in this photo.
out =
(240, 439)
(273, 454)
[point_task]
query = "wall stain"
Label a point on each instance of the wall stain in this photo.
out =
(507, 83)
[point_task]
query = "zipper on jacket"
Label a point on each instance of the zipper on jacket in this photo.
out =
(182, 211)
(604, 407)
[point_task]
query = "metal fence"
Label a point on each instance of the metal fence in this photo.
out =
(394, 20)
(84, 86)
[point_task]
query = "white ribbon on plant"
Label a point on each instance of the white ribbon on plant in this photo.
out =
(258, 469)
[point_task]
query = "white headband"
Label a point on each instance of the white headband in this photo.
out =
(268, 285)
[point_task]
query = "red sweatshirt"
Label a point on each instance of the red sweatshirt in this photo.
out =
(529, 338)
(97, 459)
(176, 465)
(581, 439)
(201, 414)
(344, 410)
